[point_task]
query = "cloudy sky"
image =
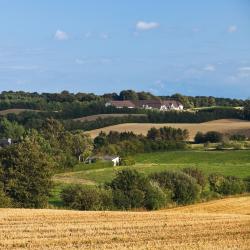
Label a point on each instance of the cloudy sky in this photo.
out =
(191, 47)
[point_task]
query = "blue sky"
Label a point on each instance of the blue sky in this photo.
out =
(191, 47)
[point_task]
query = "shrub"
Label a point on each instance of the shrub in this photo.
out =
(128, 189)
(197, 174)
(82, 197)
(156, 197)
(238, 137)
(226, 185)
(133, 190)
(211, 136)
(127, 161)
(5, 201)
(233, 185)
(199, 138)
(247, 183)
(185, 188)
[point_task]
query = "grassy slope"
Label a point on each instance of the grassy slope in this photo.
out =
(225, 162)
(235, 163)
(215, 226)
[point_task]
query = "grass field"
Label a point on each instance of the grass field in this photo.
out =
(103, 116)
(235, 163)
(222, 224)
(229, 126)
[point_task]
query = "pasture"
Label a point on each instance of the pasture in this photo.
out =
(222, 224)
(226, 126)
(229, 162)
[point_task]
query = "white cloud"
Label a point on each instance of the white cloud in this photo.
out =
(244, 69)
(104, 36)
(209, 67)
(141, 25)
(61, 35)
(232, 28)
(243, 72)
(79, 61)
(88, 35)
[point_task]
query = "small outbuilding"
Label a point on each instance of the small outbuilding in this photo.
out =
(5, 142)
(107, 158)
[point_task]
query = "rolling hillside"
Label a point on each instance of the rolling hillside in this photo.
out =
(223, 224)
(229, 126)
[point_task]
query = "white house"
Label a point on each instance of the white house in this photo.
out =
(163, 105)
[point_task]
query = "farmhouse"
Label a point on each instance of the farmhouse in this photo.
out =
(164, 105)
(121, 104)
(5, 142)
(107, 158)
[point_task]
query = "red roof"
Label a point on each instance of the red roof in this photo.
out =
(123, 104)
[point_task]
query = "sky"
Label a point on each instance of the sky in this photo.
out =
(191, 47)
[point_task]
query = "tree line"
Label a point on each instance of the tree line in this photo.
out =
(131, 189)
(58, 101)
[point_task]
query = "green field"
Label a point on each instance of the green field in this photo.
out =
(228, 162)
(235, 163)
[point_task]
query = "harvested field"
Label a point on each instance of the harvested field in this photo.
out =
(103, 116)
(233, 205)
(16, 111)
(228, 126)
(166, 229)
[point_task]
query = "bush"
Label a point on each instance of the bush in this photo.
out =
(128, 189)
(133, 190)
(238, 137)
(226, 185)
(127, 161)
(184, 188)
(5, 201)
(197, 174)
(211, 136)
(84, 198)
(247, 183)
(199, 138)
(156, 197)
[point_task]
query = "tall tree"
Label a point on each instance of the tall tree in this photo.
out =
(26, 173)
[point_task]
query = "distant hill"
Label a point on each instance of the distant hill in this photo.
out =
(230, 126)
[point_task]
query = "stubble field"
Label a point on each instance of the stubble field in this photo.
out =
(227, 126)
(219, 225)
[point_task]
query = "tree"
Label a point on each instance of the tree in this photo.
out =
(26, 173)
(196, 174)
(128, 95)
(184, 188)
(199, 138)
(11, 129)
(247, 109)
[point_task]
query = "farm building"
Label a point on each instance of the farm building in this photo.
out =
(107, 158)
(5, 142)
(165, 105)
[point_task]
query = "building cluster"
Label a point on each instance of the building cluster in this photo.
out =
(163, 105)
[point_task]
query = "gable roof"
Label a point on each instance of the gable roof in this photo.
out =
(121, 104)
